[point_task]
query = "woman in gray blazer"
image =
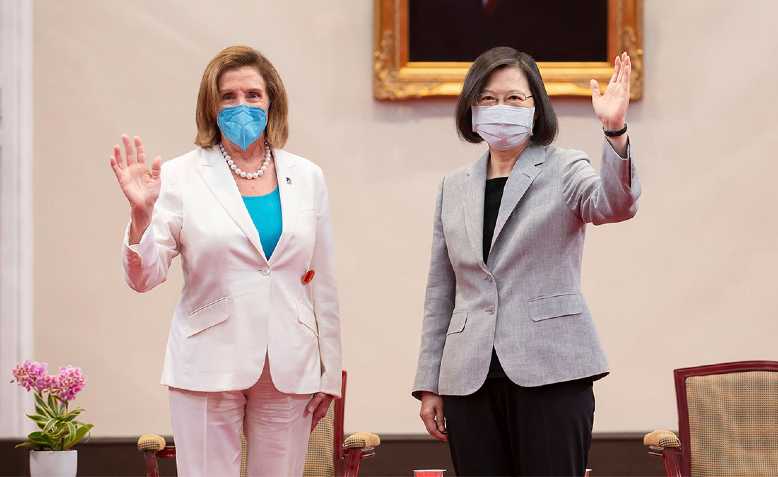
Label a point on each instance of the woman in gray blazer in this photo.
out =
(509, 350)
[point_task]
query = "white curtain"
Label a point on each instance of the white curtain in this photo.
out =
(15, 209)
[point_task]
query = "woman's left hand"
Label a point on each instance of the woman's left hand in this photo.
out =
(611, 107)
(318, 406)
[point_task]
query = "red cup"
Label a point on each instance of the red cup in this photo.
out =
(429, 473)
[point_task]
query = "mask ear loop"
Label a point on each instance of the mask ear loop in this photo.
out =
(265, 132)
(267, 128)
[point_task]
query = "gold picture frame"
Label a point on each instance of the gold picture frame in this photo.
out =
(397, 78)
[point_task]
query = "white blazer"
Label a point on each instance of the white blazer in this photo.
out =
(236, 306)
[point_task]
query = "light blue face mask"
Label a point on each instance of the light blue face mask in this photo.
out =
(242, 124)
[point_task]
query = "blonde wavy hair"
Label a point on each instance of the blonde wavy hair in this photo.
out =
(208, 133)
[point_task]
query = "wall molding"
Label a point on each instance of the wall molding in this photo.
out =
(612, 454)
(16, 219)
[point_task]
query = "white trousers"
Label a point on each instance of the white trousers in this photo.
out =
(207, 425)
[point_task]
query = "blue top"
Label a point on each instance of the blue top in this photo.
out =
(265, 212)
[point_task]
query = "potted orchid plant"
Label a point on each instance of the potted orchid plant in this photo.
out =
(51, 446)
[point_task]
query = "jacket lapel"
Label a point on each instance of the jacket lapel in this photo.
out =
(218, 178)
(474, 205)
(523, 173)
(288, 186)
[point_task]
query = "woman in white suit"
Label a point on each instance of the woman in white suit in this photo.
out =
(255, 340)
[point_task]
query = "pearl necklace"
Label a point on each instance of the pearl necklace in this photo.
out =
(247, 175)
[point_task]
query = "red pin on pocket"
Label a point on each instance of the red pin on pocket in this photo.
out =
(308, 277)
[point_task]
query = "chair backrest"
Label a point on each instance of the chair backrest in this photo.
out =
(728, 419)
(324, 456)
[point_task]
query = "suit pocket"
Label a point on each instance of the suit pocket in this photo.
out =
(457, 323)
(306, 317)
(554, 306)
(206, 316)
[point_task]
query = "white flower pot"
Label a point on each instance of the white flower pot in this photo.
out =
(53, 463)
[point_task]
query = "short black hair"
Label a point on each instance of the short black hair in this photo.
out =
(545, 124)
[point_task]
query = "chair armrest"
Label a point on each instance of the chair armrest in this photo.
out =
(151, 442)
(362, 440)
(356, 447)
(151, 445)
(660, 440)
(667, 445)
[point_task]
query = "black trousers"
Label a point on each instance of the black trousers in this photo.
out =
(507, 430)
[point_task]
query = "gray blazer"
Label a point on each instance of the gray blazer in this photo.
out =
(526, 301)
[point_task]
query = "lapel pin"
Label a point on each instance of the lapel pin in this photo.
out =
(308, 277)
(289, 180)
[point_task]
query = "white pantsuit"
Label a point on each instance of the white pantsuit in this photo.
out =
(207, 429)
(238, 307)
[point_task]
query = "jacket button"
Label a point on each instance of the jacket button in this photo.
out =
(490, 309)
(489, 278)
(264, 271)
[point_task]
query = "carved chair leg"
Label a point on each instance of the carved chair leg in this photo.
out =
(152, 469)
(353, 458)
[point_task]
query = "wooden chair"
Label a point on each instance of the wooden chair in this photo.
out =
(727, 421)
(328, 455)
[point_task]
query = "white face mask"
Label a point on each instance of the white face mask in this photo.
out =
(503, 127)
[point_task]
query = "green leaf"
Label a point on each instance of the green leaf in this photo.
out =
(40, 421)
(62, 425)
(75, 411)
(53, 405)
(41, 407)
(39, 400)
(60, 430)
(50, 425)
(69, 416)
(72, 431)
(40, 410)
(37, 417)
(80, 433)
(41, 440)
(62, 405)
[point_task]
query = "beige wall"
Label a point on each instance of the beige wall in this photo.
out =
(691, 280)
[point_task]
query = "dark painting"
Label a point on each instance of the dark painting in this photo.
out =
(548, 30)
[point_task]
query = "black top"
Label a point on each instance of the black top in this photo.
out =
(492, 199)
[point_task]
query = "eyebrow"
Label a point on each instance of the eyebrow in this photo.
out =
(250, 90)
(488, 91)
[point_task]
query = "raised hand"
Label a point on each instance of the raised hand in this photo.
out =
(611, 107)
(139, 184)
